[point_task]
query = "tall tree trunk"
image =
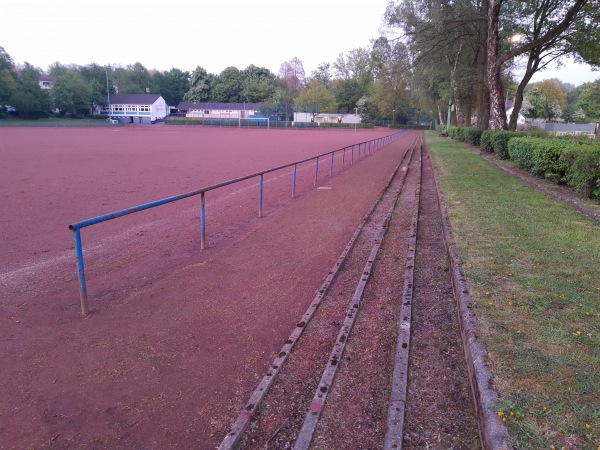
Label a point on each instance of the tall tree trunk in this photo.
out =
(483, 94)
(532, 67)
(494, 67)
(468, 112)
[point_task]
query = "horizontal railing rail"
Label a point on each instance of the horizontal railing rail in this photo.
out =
(367, 147)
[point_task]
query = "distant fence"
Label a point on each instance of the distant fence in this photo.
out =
(349, 151)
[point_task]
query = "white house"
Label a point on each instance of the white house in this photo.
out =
(215, 110)
(45, 81)
(136, 108)
(303, 117)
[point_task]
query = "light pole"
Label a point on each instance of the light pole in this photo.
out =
(393, 116)
(356, 118)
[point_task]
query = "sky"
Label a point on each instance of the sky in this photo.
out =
(213, 34)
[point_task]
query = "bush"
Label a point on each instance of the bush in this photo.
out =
(487, 141)
(455, 133)
(472, 135)
(583, 173)
(500, 140)
(558, 160)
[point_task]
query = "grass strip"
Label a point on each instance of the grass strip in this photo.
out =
(533, 266)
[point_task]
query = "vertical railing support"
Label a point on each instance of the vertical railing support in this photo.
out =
(81, 273)
(316, 171)
(343, 157)
(202, 222)
(294, 181)
(331, 165)
(352, 156)
(260, 196)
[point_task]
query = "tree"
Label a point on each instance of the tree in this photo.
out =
(589, 99)
(228, 86)
(96, 77)
(200, 86)
(546, 24)
(8, 78)
(292, 75)
(258, 84)
(29, 99)
(355, 65)
(443, 41)
(347, 94)
(136, 80)
(317, 94)
(322, 74)
(71, 94)
(173, 85)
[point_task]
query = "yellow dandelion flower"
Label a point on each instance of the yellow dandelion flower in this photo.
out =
(510, 303)
(487, 293)
(491, 303)
(588, 426)
(544, 408)
(500, 413)
(576, 333)
(512, 413)
(510, 274)
(518, 331)
(504, 419)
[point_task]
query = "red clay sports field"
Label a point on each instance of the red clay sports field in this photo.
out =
(177, 336)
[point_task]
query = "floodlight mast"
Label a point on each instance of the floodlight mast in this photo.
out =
(107, 91)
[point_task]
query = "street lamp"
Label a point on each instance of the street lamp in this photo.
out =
(393, 116)
(356, 118)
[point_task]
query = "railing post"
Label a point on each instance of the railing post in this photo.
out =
(260, 196)
(331, 165)
(294, 182)
(352, 156)
(343, 156)
(81, 273)
(316, 171)
(202, 222)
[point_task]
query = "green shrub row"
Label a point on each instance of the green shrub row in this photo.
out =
(542, 157)
(470, 135)
(560, 160)
(497, 141)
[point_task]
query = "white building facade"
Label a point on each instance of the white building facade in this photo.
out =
(136, 108)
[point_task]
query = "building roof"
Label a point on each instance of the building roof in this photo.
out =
(219, 106)
(570, 127)
(44, 77)
(134, 99)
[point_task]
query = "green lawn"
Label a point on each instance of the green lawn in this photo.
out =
(533, 265)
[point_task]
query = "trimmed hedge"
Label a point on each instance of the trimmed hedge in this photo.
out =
(542, 157)
(470, 135)
(501, 139)
(487, 141)
(560, 160)
(583, 172)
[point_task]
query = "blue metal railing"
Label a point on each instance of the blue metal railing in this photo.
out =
(366, 147)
